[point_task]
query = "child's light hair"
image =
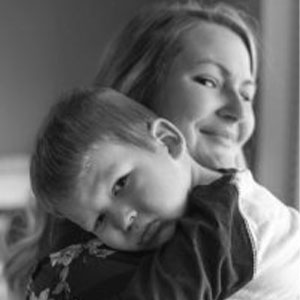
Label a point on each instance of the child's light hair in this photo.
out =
(74, 125)
(138, 61)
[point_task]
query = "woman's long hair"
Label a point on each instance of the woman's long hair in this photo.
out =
(26, 242)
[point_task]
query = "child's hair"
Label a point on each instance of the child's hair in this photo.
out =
(138, 60)
(74, 125)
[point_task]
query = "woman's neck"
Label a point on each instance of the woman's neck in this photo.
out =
(202, 175)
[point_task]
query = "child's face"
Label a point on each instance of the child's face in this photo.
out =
(208, 94)
(129, 197)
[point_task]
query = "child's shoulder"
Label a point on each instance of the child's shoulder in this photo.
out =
(61, 273)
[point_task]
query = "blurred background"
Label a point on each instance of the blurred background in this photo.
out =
(51, 46)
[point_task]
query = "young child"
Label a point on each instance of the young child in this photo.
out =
(113, 167)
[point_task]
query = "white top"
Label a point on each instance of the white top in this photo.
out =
(275, 232)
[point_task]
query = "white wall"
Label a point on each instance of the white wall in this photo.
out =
(278, 135)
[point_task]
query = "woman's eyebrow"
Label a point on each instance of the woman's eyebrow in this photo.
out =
(213, 62)
(220, 66)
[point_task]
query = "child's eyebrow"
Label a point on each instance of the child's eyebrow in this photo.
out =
(95, 178)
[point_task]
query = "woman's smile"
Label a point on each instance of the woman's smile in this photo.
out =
(222, 136)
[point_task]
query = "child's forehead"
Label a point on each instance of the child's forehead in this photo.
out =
(108, 157)
(101, 164)
(103, 156)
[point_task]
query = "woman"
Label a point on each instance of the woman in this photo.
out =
(195, 66)
(156, 58)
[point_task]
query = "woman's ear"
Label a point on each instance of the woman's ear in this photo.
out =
(169, 135)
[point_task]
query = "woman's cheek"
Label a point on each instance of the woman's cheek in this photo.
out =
(247, 128)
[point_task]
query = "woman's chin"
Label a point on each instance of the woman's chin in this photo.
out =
(218, 160)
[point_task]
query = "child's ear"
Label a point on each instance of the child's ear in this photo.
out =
(168, 134)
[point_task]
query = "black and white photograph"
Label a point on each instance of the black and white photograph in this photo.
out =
(149, 150)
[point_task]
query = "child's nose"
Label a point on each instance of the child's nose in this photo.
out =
(125, 217)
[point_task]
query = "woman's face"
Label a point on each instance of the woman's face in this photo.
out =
(208, 94)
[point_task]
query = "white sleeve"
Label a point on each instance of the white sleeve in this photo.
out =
(275, 231)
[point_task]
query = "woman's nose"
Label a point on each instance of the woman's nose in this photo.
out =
(124, 217)
(234, 108)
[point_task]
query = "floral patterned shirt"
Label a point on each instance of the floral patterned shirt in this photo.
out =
(58, 269)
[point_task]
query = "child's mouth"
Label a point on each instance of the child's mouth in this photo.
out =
(150, 232)
(156, 233)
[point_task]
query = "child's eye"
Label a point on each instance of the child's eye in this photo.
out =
(100, 221)
(120, 184)
(207, 81)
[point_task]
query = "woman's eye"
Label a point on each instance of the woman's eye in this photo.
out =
(206, 81)
(247, 96)
(120, 184)
(248, 92)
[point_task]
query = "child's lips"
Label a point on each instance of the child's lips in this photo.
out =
(156, 233)
(150, 231)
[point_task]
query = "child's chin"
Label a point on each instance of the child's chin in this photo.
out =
(164, 234)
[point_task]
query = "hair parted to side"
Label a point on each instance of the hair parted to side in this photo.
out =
(138, 60)
(74, 125)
